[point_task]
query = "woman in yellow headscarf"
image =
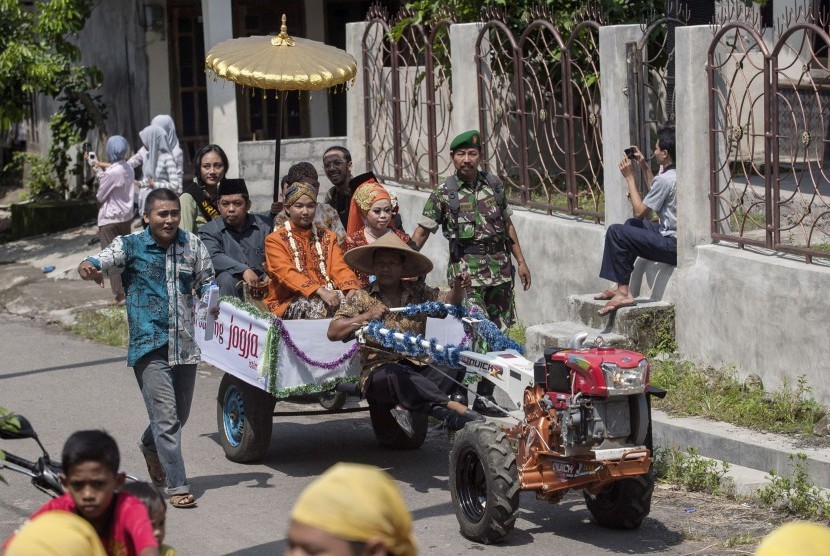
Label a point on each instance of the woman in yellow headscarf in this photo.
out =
(351, 510)
(371, 216)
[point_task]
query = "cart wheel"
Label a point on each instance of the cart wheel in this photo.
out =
(484, 482)
(623, 504)
(390, 434)
(333, 400)
(244, 417)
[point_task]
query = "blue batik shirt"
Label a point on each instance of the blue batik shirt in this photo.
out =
(159, 284)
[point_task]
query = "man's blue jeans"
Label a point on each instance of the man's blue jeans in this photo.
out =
(168, 394)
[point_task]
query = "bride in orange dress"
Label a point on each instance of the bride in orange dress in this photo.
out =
(308, 274)
(371, 216)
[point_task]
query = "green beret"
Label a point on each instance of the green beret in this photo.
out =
(468, 139)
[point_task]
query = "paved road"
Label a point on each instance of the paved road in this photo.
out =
(63, 383)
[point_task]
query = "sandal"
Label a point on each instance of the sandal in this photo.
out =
(185, 500)
(607, 294)
(154, 467)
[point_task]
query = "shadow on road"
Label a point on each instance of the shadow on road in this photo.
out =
(198, 485)
(350, 438)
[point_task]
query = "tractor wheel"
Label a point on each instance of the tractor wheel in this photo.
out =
(244, 417)
(640, 415)
(333, 400)
(623, 504)
(390, 434)
(484, 482)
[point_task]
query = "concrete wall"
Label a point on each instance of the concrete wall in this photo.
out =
(256, 164)
(563, 255)
(761, 313)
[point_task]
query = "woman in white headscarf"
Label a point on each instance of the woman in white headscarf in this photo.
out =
(115, 198)
(159, 166)
(166, 123)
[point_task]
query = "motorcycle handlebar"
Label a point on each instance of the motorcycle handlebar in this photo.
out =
(18, 462)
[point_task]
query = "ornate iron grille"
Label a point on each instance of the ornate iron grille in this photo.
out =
(768, 115)
(540, 114)
(407, 101)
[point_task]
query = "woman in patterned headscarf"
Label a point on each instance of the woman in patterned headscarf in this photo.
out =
(351, 509)
(305, 263)
(371, 216)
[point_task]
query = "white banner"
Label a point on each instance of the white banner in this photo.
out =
(238, 345)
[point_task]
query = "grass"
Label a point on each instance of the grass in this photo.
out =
(719, 395)
(106, 326)
(692, 472)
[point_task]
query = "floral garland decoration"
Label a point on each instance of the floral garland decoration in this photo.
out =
(317, 247)
(276, 323)
(411, 344)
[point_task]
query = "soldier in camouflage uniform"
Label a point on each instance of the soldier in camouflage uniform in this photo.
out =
(482, 237)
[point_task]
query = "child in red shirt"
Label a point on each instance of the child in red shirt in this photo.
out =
(92, 482)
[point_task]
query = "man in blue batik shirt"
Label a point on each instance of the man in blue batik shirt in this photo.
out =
(163, 268)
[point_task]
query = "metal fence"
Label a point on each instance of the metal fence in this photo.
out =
(769, 109)
(539, 102)
(538, 98)
(408, 100)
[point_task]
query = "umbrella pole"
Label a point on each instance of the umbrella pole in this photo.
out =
(280, 115)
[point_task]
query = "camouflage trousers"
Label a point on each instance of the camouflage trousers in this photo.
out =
(495, 303)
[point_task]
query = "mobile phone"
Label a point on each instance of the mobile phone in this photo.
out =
(631, 153)
(91, 159)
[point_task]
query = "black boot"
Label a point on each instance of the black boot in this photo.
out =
(460, 396)
(485, 390)
(452, 420)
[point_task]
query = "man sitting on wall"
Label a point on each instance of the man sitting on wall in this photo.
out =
(236, 242)
(639, 236)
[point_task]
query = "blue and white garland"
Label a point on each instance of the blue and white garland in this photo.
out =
(411, 343)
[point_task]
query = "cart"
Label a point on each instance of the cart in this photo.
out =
(266, 359)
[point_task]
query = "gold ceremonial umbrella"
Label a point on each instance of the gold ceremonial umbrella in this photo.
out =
(281, 63)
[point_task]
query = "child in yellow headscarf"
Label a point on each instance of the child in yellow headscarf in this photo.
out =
(351, 509)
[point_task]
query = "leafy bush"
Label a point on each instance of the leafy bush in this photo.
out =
(796, 494)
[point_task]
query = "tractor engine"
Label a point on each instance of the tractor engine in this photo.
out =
(598, 395)
(588, 422)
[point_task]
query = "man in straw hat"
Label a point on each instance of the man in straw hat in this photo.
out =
(391, 377)
(472, 212)
(351, 510)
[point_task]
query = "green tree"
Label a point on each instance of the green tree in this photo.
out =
(37, 56)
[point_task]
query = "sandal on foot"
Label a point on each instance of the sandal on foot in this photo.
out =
(612, 306)
(185, 500)
(607, 294)
(154, 467)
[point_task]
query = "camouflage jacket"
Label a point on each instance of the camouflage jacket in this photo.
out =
(481, 221)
